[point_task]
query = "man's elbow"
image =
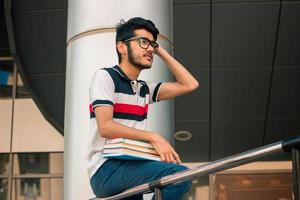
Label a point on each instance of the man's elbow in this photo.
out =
(104, 131)
(193, 85)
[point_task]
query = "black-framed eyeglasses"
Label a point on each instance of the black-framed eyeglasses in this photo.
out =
(144, 42)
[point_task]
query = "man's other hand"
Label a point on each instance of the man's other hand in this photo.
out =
(164, 149)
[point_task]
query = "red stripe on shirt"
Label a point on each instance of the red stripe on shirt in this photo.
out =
(130, 109)
(91, 108)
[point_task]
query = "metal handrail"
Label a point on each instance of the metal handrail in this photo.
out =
(290, 144)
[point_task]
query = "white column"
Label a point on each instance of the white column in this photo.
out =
(91, 45)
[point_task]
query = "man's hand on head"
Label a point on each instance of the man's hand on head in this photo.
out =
(160, 51)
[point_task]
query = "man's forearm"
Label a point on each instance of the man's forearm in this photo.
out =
(182, 76)
(114, 129)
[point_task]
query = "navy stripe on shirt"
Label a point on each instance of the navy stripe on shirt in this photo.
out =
(139, 118)
(102, 102)
(98, 103)
(155, 93)
(122, 85)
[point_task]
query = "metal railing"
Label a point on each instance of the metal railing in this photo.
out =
(288, 145)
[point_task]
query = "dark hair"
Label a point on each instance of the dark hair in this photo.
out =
(126, 30)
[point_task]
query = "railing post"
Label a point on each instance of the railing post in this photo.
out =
(292, 145)
(296, 172)
(157, 194)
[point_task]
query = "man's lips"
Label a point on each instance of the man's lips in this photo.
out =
(149, 57)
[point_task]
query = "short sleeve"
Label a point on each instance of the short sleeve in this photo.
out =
(154, 91)
(101, 89)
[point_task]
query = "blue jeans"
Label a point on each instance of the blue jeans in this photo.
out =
(115, 176)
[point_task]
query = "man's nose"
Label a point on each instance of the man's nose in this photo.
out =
(150, 48)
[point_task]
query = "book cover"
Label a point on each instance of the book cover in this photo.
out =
(129, 141)
(130, 146)
(128, 154)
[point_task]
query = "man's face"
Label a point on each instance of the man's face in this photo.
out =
(140, 57)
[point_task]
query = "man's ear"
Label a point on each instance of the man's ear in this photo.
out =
(122, 48)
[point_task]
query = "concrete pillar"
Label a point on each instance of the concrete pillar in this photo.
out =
(91, 45)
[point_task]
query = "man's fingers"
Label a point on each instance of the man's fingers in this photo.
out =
(162, 156)
(166, 152)
(168, 158)
(160, 152)
(171, 158)
(176, 156)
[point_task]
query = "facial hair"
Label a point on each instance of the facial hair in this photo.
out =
(134, 60)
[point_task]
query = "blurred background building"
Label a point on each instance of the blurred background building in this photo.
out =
(245, 53)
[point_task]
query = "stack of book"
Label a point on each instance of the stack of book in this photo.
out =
(127, 149)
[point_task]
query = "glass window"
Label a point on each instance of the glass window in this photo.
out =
(6, 78)
(3, 188)
(4, 159)
(37, 188)
(30, 187)
(38, 163)
(29, 163)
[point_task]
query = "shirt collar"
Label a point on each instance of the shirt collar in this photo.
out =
(121, 73)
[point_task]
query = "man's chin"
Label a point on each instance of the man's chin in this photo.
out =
(140, 65)
(144, 66)
(148, 66)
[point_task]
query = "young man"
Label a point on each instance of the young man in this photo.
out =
(119, 106)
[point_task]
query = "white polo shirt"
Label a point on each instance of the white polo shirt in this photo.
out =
(129, 99)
